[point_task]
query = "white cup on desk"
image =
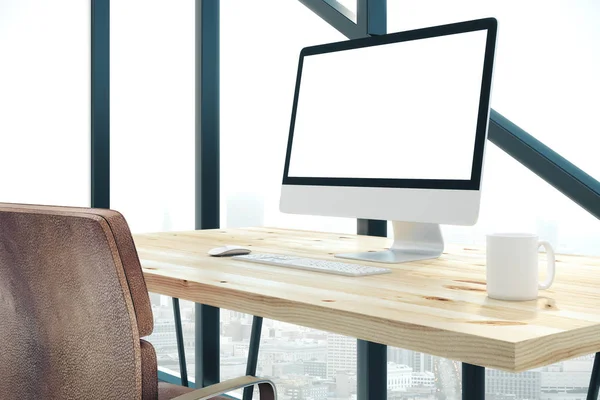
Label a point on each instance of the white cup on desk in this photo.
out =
(512, 266)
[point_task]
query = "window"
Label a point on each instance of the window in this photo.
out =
(546, 86)
(260, 45)
(152, 137)
(45, 102)
(152, 113)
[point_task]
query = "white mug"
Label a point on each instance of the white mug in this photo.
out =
(512, 266)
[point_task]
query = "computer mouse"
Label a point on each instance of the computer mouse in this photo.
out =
(228, 251)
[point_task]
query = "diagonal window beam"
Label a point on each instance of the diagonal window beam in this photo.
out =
(546, 163)
(342, 9)
(335, 18)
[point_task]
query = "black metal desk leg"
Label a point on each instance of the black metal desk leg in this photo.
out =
(208, 363)
(595, 379)
(180, 342)
(473, 382)
(253, 354)
(372, 371)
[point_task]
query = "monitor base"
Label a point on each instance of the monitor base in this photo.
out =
(413, 241)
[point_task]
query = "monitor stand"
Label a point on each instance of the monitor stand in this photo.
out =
(412, 241)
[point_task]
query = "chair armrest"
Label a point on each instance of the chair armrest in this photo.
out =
(266, 387)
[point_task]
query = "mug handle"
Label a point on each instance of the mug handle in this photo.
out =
(551, 265)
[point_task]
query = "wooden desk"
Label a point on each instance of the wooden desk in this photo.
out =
(438, 306)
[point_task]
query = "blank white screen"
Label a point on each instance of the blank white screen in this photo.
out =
(404, 110)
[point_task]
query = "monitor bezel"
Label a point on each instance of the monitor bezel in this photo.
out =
(489, 24)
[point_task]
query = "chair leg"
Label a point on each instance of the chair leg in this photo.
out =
(253, 354)
(595, 379)
(180, 343)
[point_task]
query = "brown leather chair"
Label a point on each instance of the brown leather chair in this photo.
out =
(73, 309)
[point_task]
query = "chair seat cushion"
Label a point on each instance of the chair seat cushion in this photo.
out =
(168, 391)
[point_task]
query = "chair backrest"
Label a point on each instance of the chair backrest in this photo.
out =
(73, 306)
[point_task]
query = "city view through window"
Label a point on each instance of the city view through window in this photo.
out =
(307, 364)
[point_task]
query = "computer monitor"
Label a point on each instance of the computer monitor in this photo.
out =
(393, 127)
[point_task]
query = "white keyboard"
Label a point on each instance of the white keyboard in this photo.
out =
(331, 267)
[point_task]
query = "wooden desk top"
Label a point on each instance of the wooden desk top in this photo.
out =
(438, 306)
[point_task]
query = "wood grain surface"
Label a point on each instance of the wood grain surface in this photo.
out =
(437, 306)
